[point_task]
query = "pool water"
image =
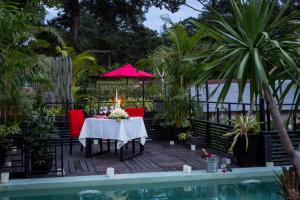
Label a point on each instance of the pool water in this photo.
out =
(237, 189)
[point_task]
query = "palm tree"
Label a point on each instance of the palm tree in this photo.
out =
(259, 45)
(83, 64)
(178, 75)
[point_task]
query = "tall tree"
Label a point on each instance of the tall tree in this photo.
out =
(258, 44)
(73, 6)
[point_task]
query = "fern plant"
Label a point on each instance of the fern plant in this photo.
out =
(244, 125)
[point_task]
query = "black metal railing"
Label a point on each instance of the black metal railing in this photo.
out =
(214, 134)
(17, 156)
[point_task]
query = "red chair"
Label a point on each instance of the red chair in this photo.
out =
(135, 112)
(76, 119)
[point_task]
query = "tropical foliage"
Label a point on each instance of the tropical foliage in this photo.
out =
(178, 76)
(131, 102)
(244, 125)
(255, 44)
(289, 183)
(22, 53)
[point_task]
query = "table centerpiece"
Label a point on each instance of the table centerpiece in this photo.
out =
(118, 114)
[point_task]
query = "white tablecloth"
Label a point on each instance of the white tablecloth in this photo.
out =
(123, 131)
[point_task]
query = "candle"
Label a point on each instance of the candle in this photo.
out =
(110, 172)
(193, 147)
(269, 164)
(172, 142)
(187, 169)
(116, 96)
(119, 103)
(184, 168)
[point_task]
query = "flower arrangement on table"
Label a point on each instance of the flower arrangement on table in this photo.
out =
(118, 114)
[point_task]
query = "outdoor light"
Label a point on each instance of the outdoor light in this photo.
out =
(172, 142)
(119, 103)
(187, 169)
(110, 172)
(270, 164)
(193, 147)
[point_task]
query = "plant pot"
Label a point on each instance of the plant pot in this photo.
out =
(175, 131)
(254, 154)
(4, 177)
(41, 165)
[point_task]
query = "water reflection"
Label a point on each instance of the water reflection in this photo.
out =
(176, 191)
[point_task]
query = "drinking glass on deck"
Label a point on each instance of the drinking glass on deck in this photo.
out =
(223, 163)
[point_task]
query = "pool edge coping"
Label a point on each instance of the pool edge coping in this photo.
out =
(135, 178)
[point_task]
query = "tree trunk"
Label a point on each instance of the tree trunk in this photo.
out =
(281, 130)
(74, 12)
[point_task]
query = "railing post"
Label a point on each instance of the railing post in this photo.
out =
(207, 103)
(143, 94)
(229, 113)
(294, 121)
(207, 111)
(208, 136)
(198, 99)
(67, 108)
(262, 114)
(244, 108)
(267, 148)
(218, 115)
(268, 119)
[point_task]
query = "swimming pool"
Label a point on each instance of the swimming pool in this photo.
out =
(230, 189)
(242, 183)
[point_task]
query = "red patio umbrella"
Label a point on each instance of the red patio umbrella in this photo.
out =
(128, 71)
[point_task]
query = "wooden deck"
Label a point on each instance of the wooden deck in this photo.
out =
(158, 156)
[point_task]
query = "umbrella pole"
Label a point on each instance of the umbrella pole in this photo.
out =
(126, 87)
(143, 94)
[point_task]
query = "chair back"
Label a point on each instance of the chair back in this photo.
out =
(76, 119)
(135, 112)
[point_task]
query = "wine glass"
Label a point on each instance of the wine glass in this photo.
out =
(223, 163)
(111, 109)
(105, 110)
(101, 110)
(94, 111)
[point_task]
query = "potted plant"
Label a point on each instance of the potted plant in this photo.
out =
(184, 136)
(175, 114)
(246, 142)
(40, 131)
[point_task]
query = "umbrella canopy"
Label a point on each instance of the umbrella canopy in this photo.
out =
(126, 71)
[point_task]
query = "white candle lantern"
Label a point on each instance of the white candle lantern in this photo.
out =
(193, 147)
(172, 142)
(4, 177)
(116, 99)
(187, 169)
(269, 164)
(110, 171)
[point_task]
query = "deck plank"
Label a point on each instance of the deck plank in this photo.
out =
(158, 156)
